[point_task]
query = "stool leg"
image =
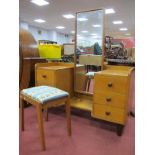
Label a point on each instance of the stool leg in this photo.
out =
(46, 114)
(40, 123)
(21, 102)
(68, 116)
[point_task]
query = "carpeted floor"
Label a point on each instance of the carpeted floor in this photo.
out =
(89, 136)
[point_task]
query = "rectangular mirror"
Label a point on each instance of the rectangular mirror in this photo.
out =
(89, 45)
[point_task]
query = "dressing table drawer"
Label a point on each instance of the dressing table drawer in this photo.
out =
(44, 76)
(110, 83)
(59, 76)
(108, 113)
(109, 98)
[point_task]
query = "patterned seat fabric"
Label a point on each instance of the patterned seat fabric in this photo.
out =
(43, 94)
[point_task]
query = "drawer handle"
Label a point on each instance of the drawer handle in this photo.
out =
(44, 76)
(110, 84)
(107, 113)
(108, 99)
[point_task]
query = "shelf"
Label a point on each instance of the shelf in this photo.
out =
(81, 103)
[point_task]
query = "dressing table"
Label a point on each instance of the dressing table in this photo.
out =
(111, 85)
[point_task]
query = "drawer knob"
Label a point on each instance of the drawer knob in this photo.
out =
(110, 84)
(108, 99)
(107, 113)
(44, 76)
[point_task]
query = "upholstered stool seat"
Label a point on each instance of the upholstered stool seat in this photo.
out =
(43, 94)
(43, 97)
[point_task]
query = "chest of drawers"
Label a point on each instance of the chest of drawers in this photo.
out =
(111, 96)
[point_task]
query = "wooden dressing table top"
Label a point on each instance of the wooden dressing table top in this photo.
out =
(55, 67)
(114, 72)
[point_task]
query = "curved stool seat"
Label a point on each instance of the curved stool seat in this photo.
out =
(43, 97)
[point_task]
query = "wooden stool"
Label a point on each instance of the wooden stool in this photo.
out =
(43, 97)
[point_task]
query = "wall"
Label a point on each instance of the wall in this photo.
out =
(43, 34)
(24, 25)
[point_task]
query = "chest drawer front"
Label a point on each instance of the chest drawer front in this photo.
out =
(44, 76)
(111, 99)
(108, 113)
(113, 83)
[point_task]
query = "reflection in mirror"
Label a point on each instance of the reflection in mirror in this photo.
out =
(119, 43)
(89, 47)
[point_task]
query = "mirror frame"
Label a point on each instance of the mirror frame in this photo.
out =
(75, 46)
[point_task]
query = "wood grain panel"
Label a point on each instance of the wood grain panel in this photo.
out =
(108, 113)
(118, 83)
(45, 76)
(109, 98)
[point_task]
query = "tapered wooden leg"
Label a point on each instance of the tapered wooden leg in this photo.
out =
(68, 116)
(132, 113)
(120, 129)
(46, 114)
(41, 128)
(21, 102)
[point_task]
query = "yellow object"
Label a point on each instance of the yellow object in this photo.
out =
(50, 51)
